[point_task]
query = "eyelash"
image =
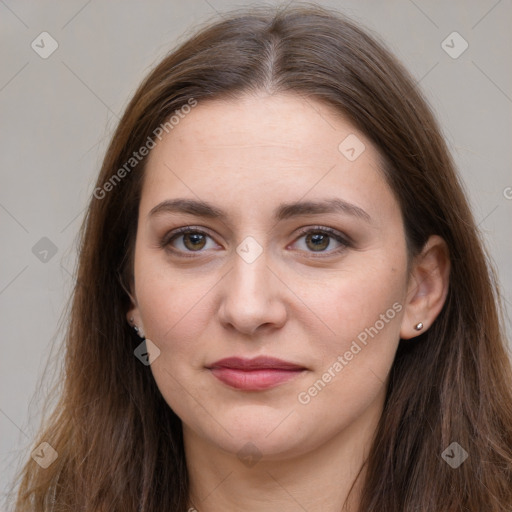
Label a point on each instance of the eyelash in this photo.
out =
(343, 240)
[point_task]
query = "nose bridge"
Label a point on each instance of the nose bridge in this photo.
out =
(250, 276)
(251, 296)
(250, 265)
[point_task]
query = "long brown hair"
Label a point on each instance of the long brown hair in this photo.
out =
(120, 445)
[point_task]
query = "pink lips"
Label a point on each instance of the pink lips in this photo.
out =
(254, 374)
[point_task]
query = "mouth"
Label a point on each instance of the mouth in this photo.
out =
(255, 374)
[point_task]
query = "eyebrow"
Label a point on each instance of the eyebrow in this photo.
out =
(282, 212)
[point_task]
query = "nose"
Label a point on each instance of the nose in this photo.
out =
(252, 298)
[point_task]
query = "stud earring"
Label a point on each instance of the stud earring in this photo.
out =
(139, 332)
(418, 326)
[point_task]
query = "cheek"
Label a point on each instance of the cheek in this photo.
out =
(354, 363)
(168, 297)
(364, 294)
(173, 308)
(367, 297)
(362, 309)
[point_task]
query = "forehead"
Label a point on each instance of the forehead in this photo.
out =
(261, 149)
(262, 125)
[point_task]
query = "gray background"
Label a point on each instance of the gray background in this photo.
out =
(57, 113)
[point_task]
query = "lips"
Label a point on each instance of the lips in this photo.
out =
(255, 374)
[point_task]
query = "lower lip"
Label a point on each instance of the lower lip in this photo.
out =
(254, 380)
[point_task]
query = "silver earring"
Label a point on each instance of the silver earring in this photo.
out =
(136, 329)
(418, 326)
(139, 332)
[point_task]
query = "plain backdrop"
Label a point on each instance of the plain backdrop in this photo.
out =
(58, 112)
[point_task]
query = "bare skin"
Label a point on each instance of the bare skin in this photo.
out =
(305, 299)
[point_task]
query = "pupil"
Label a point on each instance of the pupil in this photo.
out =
(320, 241)
(194, 240)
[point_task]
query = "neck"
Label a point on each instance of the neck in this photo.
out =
(327, 479)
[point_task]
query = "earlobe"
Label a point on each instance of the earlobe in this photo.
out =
(132, 315)
(133, 318)
(428, 288)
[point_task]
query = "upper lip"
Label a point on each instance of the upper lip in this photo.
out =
(257, 363)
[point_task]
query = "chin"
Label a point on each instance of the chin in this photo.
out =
(275, 436)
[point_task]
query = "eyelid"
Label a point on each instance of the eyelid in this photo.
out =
(340, 237)
(184, 229)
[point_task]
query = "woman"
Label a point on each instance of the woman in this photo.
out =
(282, 299)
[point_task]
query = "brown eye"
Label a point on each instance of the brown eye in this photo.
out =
(194, 241)
(317, 241)
(187, 240)
(322, 240)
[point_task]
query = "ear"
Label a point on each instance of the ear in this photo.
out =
(133, 314)
(427, 288)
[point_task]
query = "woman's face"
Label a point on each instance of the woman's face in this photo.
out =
(295, 250)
